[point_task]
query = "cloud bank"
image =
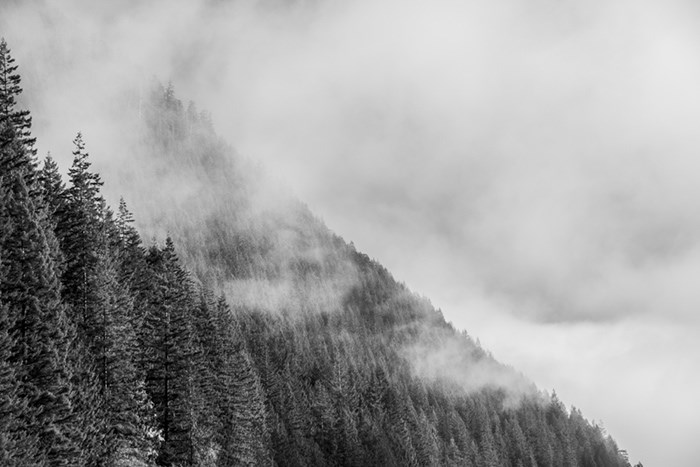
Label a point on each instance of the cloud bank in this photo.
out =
(529, 166)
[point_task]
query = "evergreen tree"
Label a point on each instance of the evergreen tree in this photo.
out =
(30, 288)
(52, 188)
(245, 438)
(16, 144)
(40, 328)
(17, 447)
(168, 352)
(122, 387)
(132, 270)
(79, 229)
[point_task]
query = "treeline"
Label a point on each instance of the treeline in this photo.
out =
(113, 354)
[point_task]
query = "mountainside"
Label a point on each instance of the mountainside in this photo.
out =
(245, 333)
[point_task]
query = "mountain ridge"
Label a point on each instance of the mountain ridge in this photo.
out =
(284, 346)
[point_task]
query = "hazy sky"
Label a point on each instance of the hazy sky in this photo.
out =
(532, 167)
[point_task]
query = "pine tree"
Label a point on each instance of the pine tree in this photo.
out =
(52, 191)
(245, 436)
(79, 229)
(82, 223)
(16, 445)
(133, 272)
(90, 418)
(426, 441)
(124, 221)
(207, 394)
(52, 187)
(32, 293)
(30, 289)
(168, 353)
(399, 428)
(557, 418)
(16, 144)
(121, 386)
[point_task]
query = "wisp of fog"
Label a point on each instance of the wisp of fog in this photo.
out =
(530, 166)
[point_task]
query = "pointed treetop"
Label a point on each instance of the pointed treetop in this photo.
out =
(124, 222)
(49, 160)
(50, 180)
(50, 166)
(9, 80)
(123, 214)
(16, 143)
(79, 145)
(79, 173)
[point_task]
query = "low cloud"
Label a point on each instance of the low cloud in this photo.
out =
(457, 363)
(531, 164)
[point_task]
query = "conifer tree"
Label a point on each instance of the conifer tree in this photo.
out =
(79, 229)
(52, 184)
(133, 272)
(245, 438)
(168, 353)
(207, 393)
(16, 446)
(40, 328)
(13, 441)
(16, 144)
(53, 193)
(29, 288)
(125, 229)
(53, 189)
(122, 387)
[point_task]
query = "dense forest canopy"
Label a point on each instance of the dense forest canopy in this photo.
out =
(246, 333)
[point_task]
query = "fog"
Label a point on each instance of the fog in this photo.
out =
(529, 166)
(459, 365)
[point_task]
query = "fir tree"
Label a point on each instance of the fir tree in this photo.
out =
(17, 446)
(53, 189)
(168, 352)
(16, 144)
(79, 229)
(53, 194)
(121, 385)
(40, 328)
(246, 439)
(30, 288)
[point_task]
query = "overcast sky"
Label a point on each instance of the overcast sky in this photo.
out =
(531, 167)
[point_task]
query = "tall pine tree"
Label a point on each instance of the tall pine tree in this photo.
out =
(30, 288)
(167, 347)
(79, 228)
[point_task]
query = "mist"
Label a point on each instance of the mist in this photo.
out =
(456, 362)
(529, 167)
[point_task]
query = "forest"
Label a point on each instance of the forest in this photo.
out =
(247, 333)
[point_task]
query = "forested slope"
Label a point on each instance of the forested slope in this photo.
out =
(247, 333)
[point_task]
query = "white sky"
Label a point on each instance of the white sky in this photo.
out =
(532, 167)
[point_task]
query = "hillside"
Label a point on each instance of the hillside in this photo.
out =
(245, 333)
